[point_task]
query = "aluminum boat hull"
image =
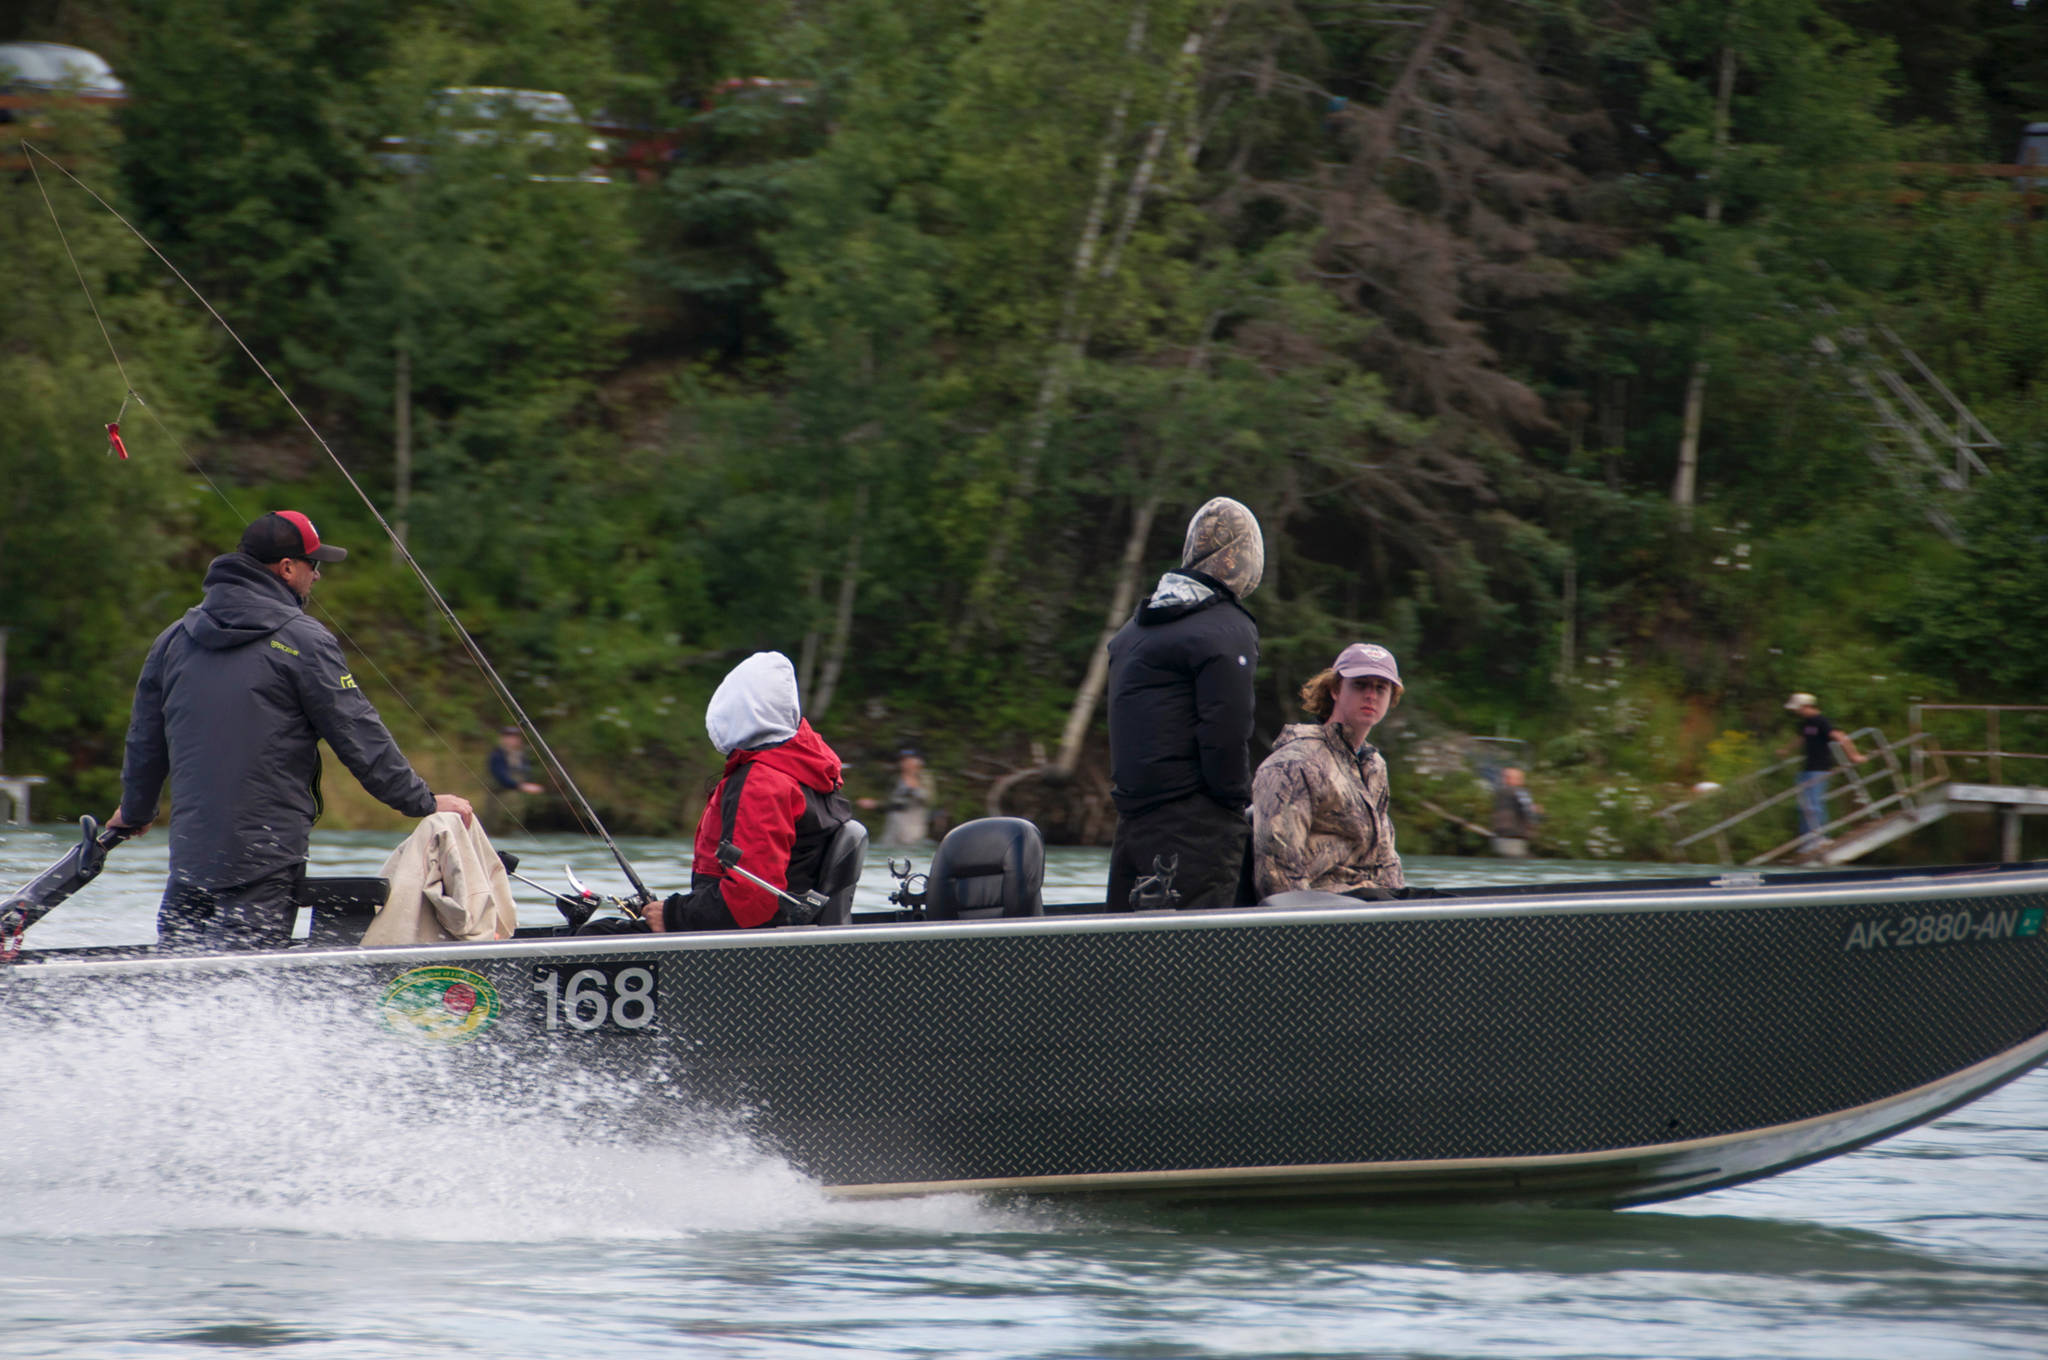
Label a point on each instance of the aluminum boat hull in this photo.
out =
(1614, 1045)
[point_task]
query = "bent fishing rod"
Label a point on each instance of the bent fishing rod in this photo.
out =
(469, 644)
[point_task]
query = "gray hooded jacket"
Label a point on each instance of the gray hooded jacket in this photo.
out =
(231, 706)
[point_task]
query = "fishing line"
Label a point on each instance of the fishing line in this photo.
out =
(113, 434)
(469, 643)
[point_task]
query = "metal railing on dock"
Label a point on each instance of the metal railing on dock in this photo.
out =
(1955, 758)
(1993, 753)
(1895, 784)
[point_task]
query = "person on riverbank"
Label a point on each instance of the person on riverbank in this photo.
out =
(907, 813)
(232, 704)
(779, 802)
(1818, 737)
(1180, 717)
(515, 795)
(511, 766)
(1515, 814)
(1320, 818)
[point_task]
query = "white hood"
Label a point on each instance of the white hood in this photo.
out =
(755, 705)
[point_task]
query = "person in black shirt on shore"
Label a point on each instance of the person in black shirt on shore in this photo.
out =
(1820, 737)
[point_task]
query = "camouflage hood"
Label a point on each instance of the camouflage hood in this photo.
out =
(1225, 545)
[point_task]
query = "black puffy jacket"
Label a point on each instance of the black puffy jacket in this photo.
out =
(232, 704)
(1180, 697)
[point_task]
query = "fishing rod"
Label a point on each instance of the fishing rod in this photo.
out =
(577, 905)
(469, 644)
(580, 903)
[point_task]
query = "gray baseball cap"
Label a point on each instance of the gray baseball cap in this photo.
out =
(1368, 658)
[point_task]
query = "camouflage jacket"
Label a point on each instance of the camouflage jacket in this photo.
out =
(1319, 815)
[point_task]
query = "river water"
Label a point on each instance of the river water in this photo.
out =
(162, 1202)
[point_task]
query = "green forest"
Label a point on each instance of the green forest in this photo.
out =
(1550, 341)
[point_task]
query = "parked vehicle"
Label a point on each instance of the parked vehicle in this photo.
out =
(53, 68)
(33, 75)
(36, 80)
(542, 124)
(747, 118)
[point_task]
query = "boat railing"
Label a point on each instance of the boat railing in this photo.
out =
(1890, 781)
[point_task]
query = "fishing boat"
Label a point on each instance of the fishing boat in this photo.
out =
(1592, 1043)
(1582, 1044)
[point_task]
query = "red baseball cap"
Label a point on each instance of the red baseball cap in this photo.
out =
(287, 533)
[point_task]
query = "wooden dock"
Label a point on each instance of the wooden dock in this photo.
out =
(2009, 802)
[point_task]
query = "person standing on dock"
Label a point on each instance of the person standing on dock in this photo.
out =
(1180, 717)
(1819, 737)
(231, 706)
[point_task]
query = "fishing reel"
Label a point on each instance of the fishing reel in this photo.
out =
(911, 889)
(1155, 891)
(580, 903)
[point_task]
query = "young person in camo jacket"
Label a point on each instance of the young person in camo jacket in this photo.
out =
(1320, 818)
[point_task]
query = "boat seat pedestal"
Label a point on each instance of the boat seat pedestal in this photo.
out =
(341, 908)
(839, 874)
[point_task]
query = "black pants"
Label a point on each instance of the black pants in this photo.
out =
(255, 915)
(1210, 839)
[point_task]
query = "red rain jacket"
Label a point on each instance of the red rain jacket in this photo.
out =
(789, 806)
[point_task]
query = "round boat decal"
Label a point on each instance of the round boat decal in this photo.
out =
(447, 1005)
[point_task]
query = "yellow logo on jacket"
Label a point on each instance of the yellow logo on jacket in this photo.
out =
(439, 1004)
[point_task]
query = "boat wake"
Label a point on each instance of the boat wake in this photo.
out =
(244, 1105)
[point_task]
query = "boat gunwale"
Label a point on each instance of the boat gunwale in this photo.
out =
(1802, 891)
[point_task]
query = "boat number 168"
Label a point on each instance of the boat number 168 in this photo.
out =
(615, 997)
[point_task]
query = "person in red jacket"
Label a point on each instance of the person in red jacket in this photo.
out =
(779, 802)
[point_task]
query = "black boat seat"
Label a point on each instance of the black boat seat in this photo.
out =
(839, 873)
(992, 866)
(342, 908)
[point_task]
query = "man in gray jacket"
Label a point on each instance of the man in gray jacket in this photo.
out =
(232, 704)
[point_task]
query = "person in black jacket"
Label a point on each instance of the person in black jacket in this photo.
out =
(231, 706)
(1180, 718)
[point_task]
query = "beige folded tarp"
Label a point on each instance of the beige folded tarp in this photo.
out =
(447, 883)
